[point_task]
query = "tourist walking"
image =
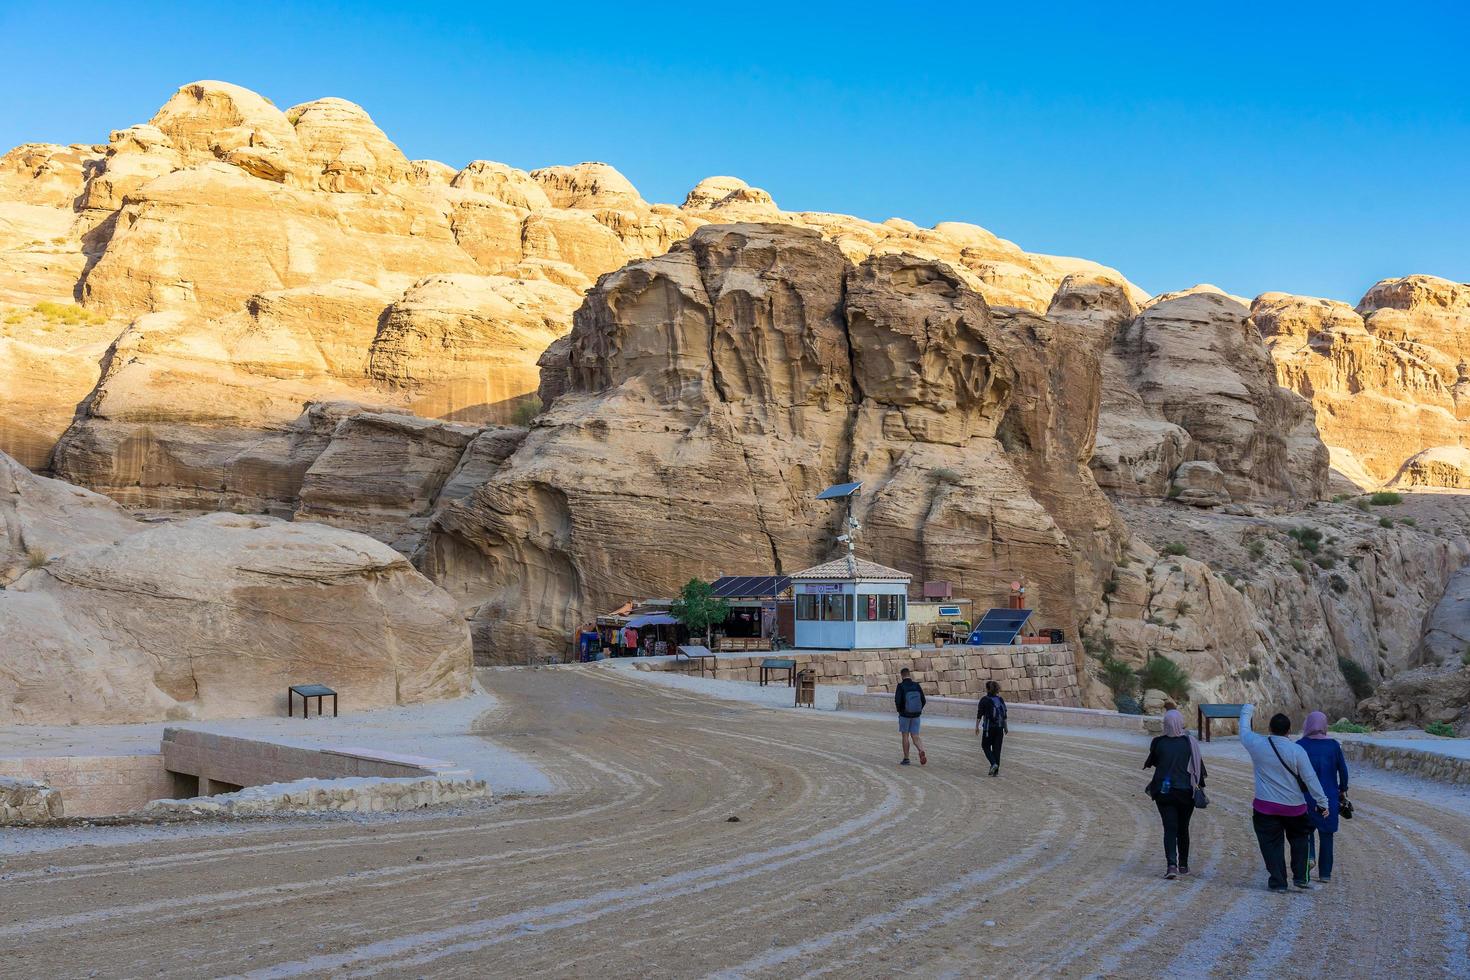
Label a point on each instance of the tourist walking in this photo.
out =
(1179, 773)
(1331, 768)
(990, 725)
(909, 699)
(1284, 779)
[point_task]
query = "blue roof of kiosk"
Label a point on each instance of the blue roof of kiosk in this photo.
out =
(847, 568)
(742, 586)
(998, 627)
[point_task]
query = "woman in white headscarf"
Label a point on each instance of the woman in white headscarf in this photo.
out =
(1178, 772)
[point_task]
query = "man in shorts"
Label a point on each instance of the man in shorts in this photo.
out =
(909, 698)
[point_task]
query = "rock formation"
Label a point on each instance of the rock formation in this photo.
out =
(245, 261)
(1388, 380)
(242, 308)
(712, 392)
(1190, 379)
(105, 619)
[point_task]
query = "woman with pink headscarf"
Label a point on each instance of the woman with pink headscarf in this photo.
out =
(1331, 768)
(1178, 772)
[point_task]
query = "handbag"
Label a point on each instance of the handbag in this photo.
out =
(1344, 807)
(1200, 799)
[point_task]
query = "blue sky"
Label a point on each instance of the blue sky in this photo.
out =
(1303, 147)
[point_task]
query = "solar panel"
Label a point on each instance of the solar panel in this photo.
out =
(750, 585)
(998, 627)
(840, 490)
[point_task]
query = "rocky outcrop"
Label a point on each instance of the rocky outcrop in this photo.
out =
(1196, 362)
(713, 391)
(1199, 484)
(1388, 380)
(1263, 607)
(45, 519)
(252, 260)
(208, 617)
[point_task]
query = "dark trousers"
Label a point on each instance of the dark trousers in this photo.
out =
(1270, 832)
(1175, 809)
(990, 739)
(1319, 845)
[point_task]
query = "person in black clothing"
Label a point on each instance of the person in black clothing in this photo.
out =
(909, 699)
(1178, 770)
(990, 725)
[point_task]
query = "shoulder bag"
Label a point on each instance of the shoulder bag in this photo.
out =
(1301, 784)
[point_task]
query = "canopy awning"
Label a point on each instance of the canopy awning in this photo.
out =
(652, 619)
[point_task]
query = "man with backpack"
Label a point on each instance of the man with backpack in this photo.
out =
(1284, 778)
(990, 725)
(909, 699)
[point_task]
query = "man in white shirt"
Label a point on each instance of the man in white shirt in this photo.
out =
(1284, 780)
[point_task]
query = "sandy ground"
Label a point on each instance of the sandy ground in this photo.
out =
(841, 862)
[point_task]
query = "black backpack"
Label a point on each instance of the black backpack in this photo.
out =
(913, 701)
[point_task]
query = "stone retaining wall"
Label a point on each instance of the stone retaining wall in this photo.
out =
(243, 762)
(1021, 713)
(1042, 673)
(1430, 765)
(25, 801)
(318, 796)
(96, 785)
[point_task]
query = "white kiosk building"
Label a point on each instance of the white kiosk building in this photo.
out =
(851, 604)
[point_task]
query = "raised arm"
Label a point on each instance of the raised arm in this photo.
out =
(1247, 736)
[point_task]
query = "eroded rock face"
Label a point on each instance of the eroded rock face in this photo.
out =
(1254, 615)
(1388, 380)
(713, 391)
(208, 617)
(1195, 360)
(222, 205)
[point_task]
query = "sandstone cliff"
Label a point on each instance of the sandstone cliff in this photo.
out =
(104, 619)
(236, 261)
(1389, 379)
(712, 392)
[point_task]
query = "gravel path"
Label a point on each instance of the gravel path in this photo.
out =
(841, 863)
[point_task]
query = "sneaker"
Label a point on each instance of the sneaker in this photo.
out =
(904, 762)
(1172, 873)
(1279, 891)
(923, 759)
(1184, 869)
(1324, 879)
(995, 770)
(1305, 886)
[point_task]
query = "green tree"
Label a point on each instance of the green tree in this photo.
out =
(698, 609)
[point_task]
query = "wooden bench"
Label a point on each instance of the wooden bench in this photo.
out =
(772, 664)
(1214, 712)
(703, 654)
(305, 691)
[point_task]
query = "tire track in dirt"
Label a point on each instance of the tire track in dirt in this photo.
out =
(843, 863)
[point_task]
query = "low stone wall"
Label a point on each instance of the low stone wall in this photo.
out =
(326, 796)
(26, 801)
(1019, 712)
(1430, 765)
(242, 762)
(1042, 673)
(96, 785)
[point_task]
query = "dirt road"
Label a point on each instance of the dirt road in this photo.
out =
(841, 863)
